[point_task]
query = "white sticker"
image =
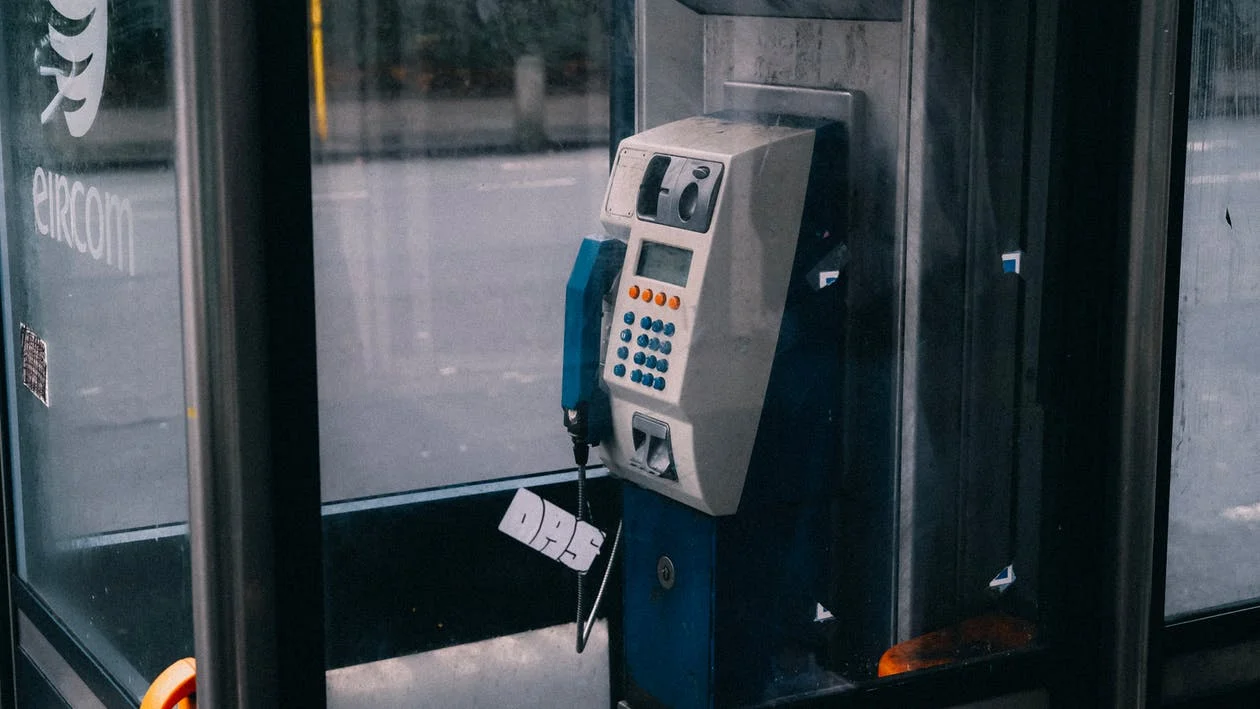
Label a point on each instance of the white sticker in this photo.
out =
(584, 549)
(555, 532)
(1012, 262)
(1004, 579)
(822, 614)
(551, 530)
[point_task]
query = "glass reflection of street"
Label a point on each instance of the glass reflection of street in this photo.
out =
(1215, 494)
(439, 296)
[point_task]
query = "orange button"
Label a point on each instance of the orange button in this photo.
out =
(660, 298)
(647, 295)
(634, 291)
(674, 302)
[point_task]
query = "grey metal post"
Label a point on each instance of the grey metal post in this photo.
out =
(243, 178)
(1135, 603)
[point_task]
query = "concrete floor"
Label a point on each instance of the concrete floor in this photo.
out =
(526, 671)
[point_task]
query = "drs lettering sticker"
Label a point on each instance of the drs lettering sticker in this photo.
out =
(551, 530)
(34, 364)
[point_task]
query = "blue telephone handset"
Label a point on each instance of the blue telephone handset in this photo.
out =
(586, 410)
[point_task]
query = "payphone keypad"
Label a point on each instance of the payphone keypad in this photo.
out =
(644, 359)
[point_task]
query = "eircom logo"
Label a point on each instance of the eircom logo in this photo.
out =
(77, 61)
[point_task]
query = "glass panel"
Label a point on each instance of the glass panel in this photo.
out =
(450, 181)
(1214, 507)
(92, 327)
(458, 149)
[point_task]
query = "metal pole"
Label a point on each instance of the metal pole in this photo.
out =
(1136, 511)
(243, 178)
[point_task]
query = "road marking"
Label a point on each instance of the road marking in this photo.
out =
(1242, 513)
(1253, 176)
(1204, 146)
(545, 163)
(340, 196)
(527, 184)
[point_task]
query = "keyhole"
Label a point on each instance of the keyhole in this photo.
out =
(665, 572)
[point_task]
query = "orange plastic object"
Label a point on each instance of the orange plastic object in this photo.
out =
(174, 688)
(634, 292)
(647, 295)
(660, 298)
(972, 638)
(674, 302)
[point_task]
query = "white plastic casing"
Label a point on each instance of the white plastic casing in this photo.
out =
(727, 325)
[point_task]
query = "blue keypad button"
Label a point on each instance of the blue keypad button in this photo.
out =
(646, 323)
(636, 376)
(639, 357)
(628, 318)
(662, 365)
(669, 329)
(625, 335)
(643, 340)
(651, 362)
(623, 352)
(659, 383)
(666, 347)
(657, 326)
(648, 379)
(654, 344)
(620, 370)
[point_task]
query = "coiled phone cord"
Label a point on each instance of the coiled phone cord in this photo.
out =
(586, 624)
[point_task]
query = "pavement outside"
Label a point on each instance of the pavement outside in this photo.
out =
(399, 127)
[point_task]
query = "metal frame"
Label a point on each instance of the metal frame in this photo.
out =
(1149, 223)
(77, 656)
(243, 177)
(9, 655)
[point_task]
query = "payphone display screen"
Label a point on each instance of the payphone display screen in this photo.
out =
(665, 263)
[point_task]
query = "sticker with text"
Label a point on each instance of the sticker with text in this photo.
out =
(34, 364)
(551, 530)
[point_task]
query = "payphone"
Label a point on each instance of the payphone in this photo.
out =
(820, 473)
(721, 231)
(703, 357)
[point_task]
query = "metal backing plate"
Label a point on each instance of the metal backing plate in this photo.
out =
(797, 101)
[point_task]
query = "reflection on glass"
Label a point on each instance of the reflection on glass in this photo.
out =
(1214, 515)
(92, 328)
(465, 155)
(460, 154)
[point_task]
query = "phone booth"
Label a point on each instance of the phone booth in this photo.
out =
(897, 345)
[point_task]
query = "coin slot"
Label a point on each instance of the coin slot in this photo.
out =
(650, 190)
(653, 450)
(687, 202)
